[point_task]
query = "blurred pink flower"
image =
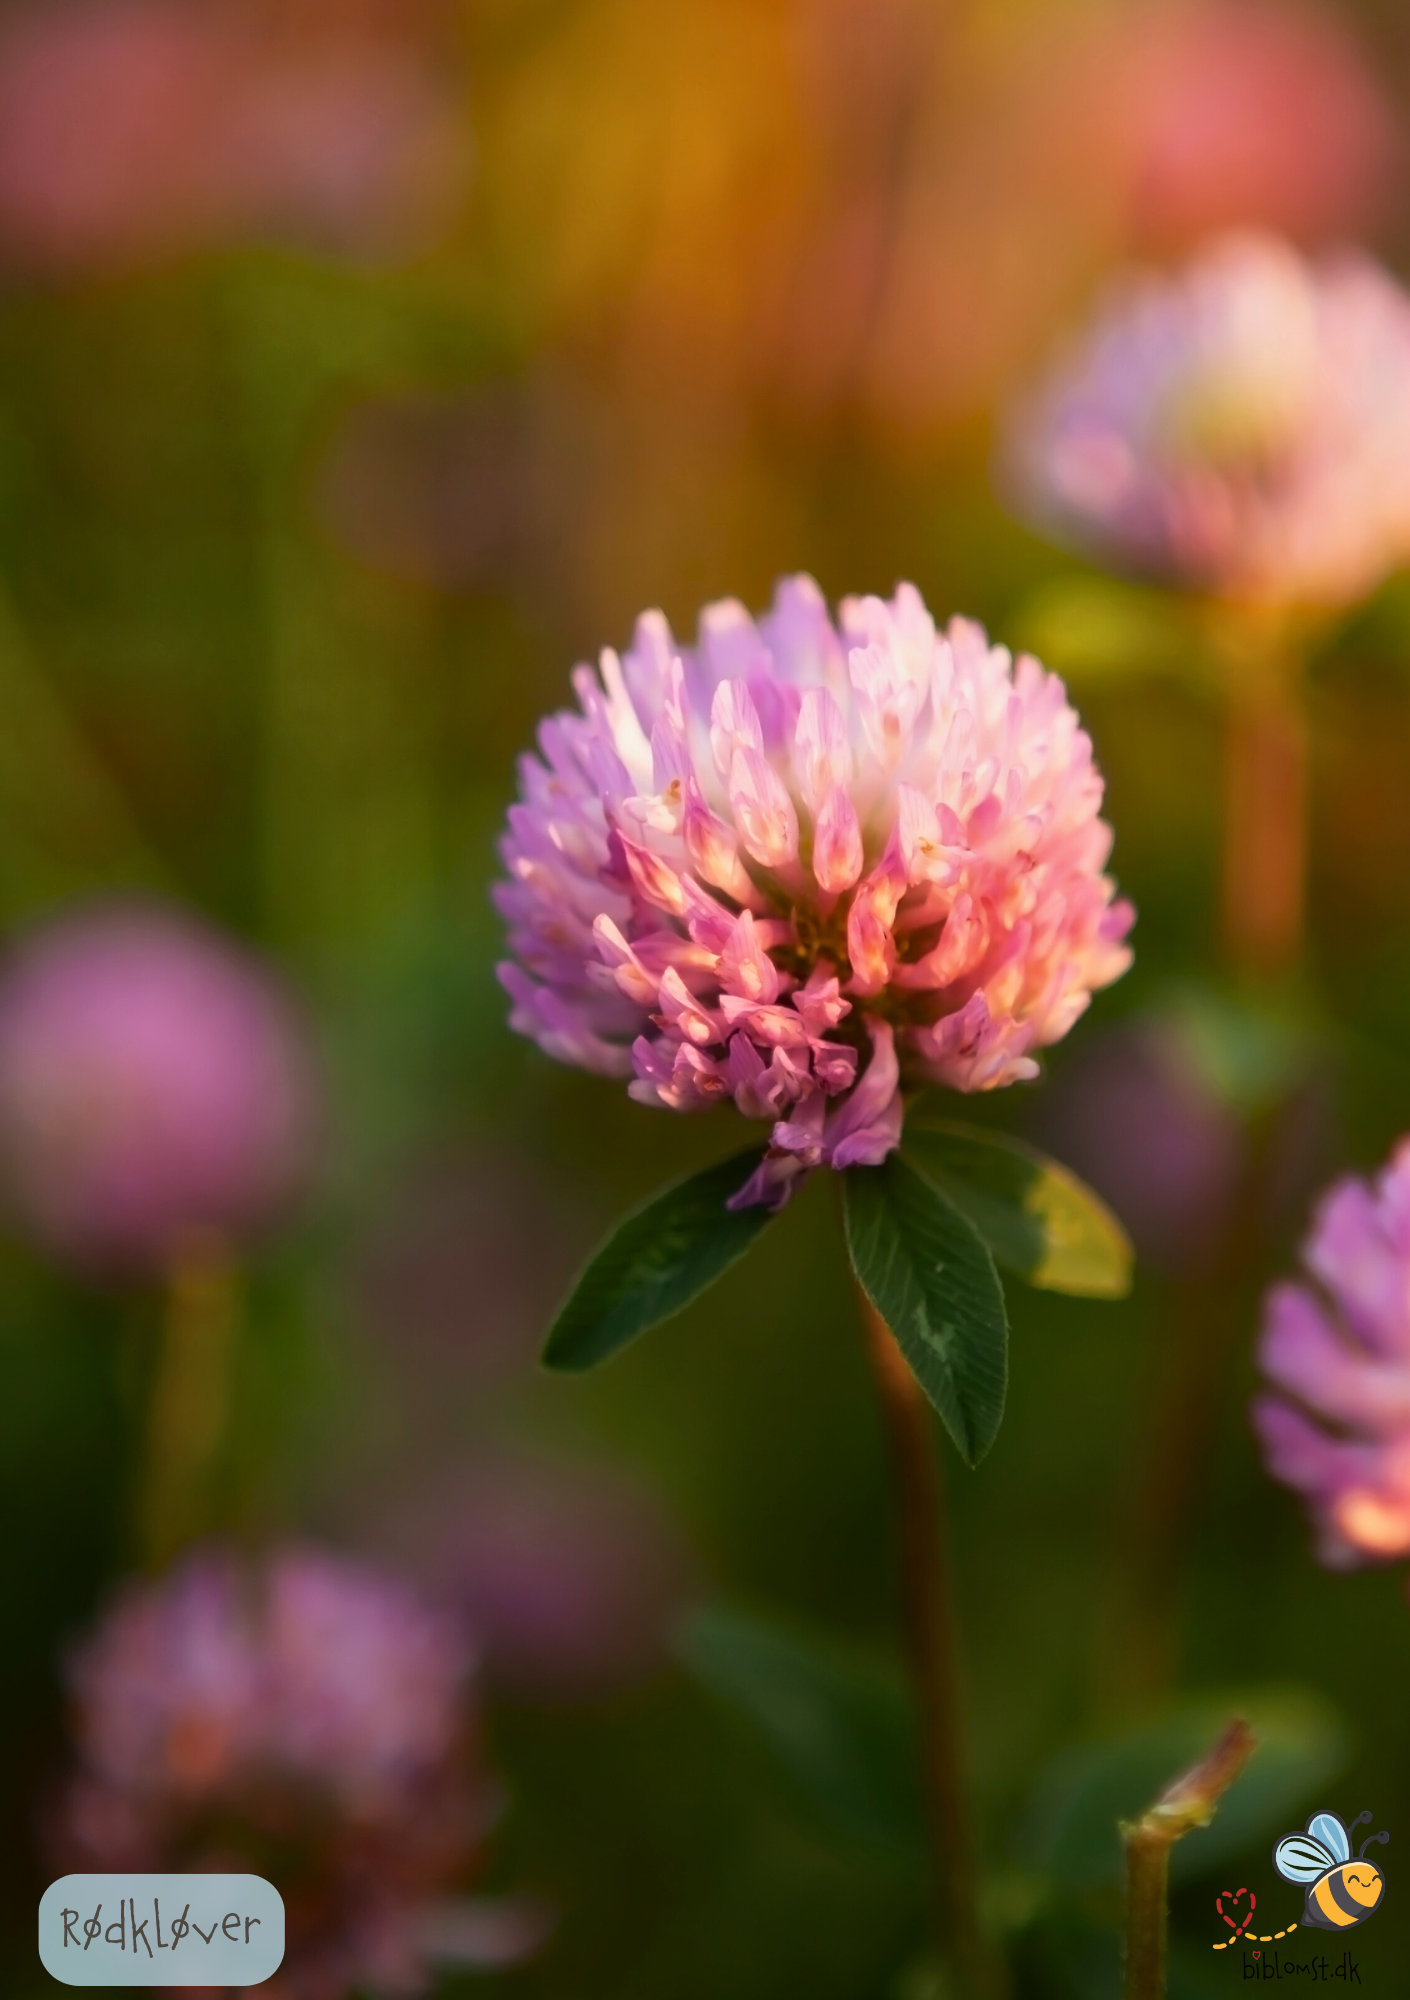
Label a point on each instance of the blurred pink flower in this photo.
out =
(922, 280)
(1337, 1352)
(1134, 1115)
(463, 1260)
(154, 1085)
(1214, 114)
(311, 1668)
(803, 860)
(302, 1706)
(1242, 427)
(568, 1575)
(138, 127)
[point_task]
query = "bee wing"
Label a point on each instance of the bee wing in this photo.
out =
(1327, 1828)
(1300, 1858)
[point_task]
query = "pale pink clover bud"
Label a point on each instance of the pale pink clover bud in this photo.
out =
(745, 967)
(887, 701)
(1241, 427)
(819, 1003)
(682, 1013)
(946, 800)
(763, 811)
(653, 878)
(714, 849)
(922, 842)
(1336, 1351)
(837, 844)
(823, 754)
(622, 964)
(734, 724)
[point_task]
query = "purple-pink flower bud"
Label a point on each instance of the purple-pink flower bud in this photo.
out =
(806, 863)
(155, 1085)
(1336, 1350)
(1242, 427)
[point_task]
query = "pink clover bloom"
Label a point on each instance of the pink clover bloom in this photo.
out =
(1242, 427)
(805, 864)
(1336, 1352)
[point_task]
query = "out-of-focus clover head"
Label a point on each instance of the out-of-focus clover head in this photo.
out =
(156, 1086)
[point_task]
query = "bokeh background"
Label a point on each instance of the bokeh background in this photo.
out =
(363, 365)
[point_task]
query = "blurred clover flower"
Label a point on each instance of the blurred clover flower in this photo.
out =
(571, 1576)
(299, 1709)
(155, 1087)
(1337, 1352)
(1241, 428)
(805, 862)
(1206, 115)
(138, 127)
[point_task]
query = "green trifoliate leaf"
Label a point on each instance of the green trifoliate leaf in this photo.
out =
(927, 1271)
(842, 1727)
(657, 1259)
(1038, 1219)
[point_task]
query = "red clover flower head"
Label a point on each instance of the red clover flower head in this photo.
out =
(1241, 427)
(154, 1085)
(302, 1708)
(804, 863)
(1336, 1351)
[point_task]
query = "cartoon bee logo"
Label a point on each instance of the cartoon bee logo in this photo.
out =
(1340, 1892)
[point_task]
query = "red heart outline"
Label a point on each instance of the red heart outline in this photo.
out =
(1234, 1895)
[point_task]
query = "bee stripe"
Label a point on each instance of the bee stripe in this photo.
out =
(1336, 1901)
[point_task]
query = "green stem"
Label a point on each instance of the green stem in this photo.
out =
(930, 1637)
(1187, 1803)
(1147, 1915)
(190, 1397)
(1263, 887)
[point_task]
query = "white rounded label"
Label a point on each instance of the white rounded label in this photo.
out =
(161, 1930)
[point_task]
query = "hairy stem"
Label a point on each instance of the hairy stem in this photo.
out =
(189, 1397)
(930, 1638)
(1187, 1803)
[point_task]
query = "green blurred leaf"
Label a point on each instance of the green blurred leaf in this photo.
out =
(840, 1726)
(1092, 628)
(1069, 1831)
(1252, 1056)
(927, 1271)
(657, 1259)
(1038, 1219)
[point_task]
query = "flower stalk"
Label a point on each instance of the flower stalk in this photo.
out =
(1264, 851)
(190, 1395)
(931, 1643)
(1188, 1802)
